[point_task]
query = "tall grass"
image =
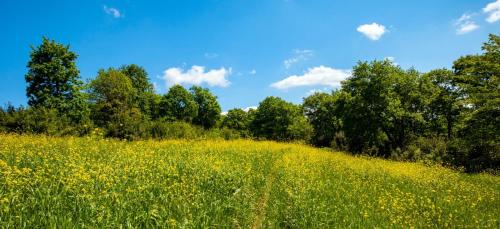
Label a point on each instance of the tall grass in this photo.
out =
(67, 182)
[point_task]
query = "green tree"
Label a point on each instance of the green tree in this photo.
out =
(279, 120)
(144, 91)
(53, 80)
(382, 108)
(237, 119)
(442, 110)
(322, 111)
(139, 78)
(208, 108)
(112, 95)
(477, 78)
(178, 104)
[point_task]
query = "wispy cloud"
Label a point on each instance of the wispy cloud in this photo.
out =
(298, 55)
(197, 76)
(493, 11)
(465, 24)
(317, 76)
(372, 31)
(253, 72)
(112, 11)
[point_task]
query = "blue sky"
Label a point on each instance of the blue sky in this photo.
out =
(243, 50)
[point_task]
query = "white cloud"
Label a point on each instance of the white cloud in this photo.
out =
(467, 27)
(211, 55)
(465, 17)
(113, 12)
(373, 31)
(253, 72)
(197, 76)
(465, 24)
(298, 55)
(493, 11)
(324, 76)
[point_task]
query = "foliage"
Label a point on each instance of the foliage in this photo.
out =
(279, 120)
(478, 77)
(208, 108)
(178, 104)
(322, 111)
(443, 108)
(39, 120)
(237, 119)
(112, 95)
(449, 117)
(382, 107)
(53, 80)
(144, 91)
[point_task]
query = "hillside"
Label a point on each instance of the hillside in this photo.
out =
(49, 181)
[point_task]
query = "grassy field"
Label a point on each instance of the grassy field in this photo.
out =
(68, 182)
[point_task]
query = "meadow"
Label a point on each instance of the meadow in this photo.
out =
(86, 182)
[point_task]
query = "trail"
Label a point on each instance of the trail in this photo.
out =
(259, 213)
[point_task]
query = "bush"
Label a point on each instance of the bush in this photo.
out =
(427, 149)
(174, 130)
(128, 125)
(40, 121)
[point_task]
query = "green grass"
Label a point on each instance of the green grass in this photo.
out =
(83, 182)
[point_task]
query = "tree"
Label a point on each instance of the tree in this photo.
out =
(111, 88)
(54, 82)
(112, 95)
(144, 91)
(442, 110)
(382, 108)
(322, 111)
(277, 119)
(208, 108)
(178, 104)
(139, 78)
(477, 78)
(237, 119)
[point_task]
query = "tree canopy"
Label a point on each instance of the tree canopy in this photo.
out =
(52, 74)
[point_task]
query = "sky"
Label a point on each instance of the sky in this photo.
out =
(243, 51)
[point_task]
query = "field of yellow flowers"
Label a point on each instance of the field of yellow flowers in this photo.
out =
(85, 182)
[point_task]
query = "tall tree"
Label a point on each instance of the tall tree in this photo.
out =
(52, 76)
(208, 108)
(383, 107)
(442, 110)
(53, 80)
(478, 79)
(178, 104)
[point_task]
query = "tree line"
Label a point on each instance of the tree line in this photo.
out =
(442, 116)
